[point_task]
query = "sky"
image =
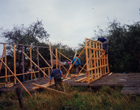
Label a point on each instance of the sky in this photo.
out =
(68, 21)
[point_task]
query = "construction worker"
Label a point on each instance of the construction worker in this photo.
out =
(57, 74)
(77, 63)
(105, 43)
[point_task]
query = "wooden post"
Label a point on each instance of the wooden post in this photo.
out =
(19, 94)
(64, 56)
(15, 77)
(59, 62)
(14, 62)
(35, 64)
(31, 63)
(5, 62)
(23, 63)
(51, 57)
(88, 80)
(59, 58)
(56, 58)
(44, 59)
(38, 62)
(73, 64)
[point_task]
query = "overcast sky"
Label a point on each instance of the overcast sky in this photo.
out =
(68, 21)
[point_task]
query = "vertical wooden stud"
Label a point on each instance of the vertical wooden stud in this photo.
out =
(5, 63)
(31, 63)
(56, 58)
(14, 62)
(38, 62)
(23, 64)
(51, 56)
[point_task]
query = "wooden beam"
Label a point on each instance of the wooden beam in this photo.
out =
(44, 59)
(15, 77)
(81, 70)
(87, 59)
(14, 52)
(35, 64)
(51, 57)
(5, 62)
(31, 62)
(23, 63)
(50, 89)
(47, 84)
(38, 63)
(81, 79)
(64, 56)
(59, 62)
(73, 63)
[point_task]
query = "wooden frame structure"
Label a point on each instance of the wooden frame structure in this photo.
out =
(4, 55)
(95, 67)
(96, 62)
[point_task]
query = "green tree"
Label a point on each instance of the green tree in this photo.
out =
(124, 49)
(26, 35)
(31, 35)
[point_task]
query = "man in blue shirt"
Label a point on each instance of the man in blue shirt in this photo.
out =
(77, 63)
(57, 74)
(105, 43)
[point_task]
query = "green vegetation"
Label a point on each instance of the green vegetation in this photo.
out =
(81, 98)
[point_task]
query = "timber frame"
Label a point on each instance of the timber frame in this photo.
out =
(96, 62)
(95, 67)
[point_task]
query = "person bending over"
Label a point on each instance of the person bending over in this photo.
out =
(57, 74)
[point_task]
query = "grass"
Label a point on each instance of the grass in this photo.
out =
(81, 98)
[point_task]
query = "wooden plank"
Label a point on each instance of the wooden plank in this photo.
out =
(31, 62)
(16, 77)
(76, 75)
(50, 89)
(5, 62)
(52, 83)
(14, 52)
(64, 56)
(38, 63)
(73, 63)
(23, 67)
(87, 59)
(44, 59)
(80, 79)
(45, 85)
(51, 56)
(35, 64)
(59, 62)
(56, 54)
(18, 74)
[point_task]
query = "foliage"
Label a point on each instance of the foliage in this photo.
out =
(5, 103)
(31, 35)
(65, 50)
(105, 98)
(124, 47)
